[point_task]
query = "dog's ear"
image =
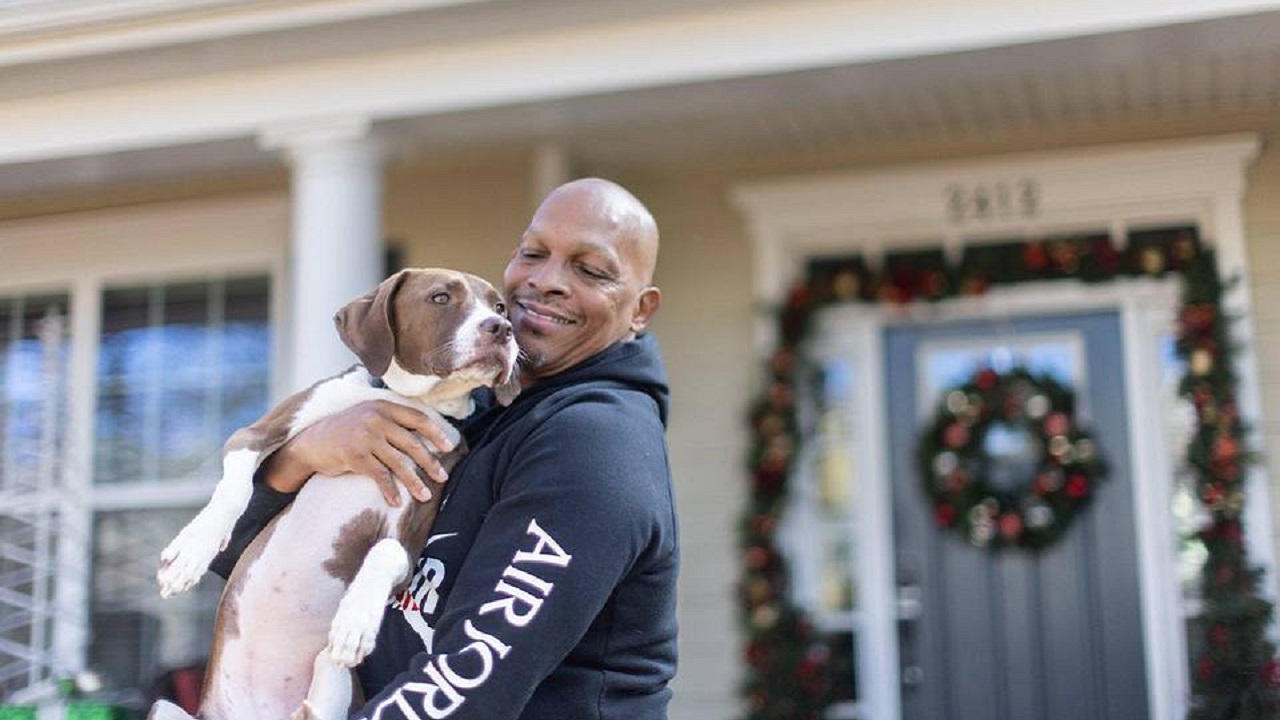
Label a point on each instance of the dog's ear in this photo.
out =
(507, 387)
(364, 324)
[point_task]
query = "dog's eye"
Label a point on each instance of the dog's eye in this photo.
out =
(440, 298)
(500, 308)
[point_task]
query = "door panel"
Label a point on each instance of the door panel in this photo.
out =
(1016, 634)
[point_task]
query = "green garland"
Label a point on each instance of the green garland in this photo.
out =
(1236, 673)
(789, 664)
(954, 465)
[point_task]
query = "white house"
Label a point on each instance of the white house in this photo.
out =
(188, 188)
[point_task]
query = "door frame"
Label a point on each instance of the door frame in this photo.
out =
(1201, 182)
(1146, 310)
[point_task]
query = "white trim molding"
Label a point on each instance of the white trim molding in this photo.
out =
(1030, 194)
(949, 205)
(79, 28)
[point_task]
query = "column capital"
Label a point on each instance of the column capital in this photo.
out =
(304, 134)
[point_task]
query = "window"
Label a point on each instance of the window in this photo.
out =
(821, 526)
(180, 366)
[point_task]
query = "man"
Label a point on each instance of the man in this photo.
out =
(547, 589)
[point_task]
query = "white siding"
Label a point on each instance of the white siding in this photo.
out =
(1262, 228)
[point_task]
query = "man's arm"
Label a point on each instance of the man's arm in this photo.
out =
(574, 513)
(377, 439)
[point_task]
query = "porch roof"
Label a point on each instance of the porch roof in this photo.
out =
(667, 81)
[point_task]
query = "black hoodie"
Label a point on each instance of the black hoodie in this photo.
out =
(547, 589)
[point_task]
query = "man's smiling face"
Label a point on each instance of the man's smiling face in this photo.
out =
(578, 281)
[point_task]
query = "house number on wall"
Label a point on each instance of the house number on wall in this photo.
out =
(1003, 200)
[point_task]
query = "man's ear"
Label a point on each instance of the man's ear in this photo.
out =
(364, 324)
(646, 305)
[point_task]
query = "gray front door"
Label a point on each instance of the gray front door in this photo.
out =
(1014, 634)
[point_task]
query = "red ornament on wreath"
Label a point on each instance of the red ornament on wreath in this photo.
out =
(1030, 512)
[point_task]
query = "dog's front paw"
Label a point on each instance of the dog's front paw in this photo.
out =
(354, 630)
(188, 556)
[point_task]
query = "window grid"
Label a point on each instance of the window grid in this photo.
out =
(181, 364)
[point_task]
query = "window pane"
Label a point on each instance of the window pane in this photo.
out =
(185, 438)
(246, 332)
(175, 362)
(118, 451)
(844, 668)
(1189, 514)
(950, 363)
(127, 333)
(187, 331)
(241, 405)
(136, 634)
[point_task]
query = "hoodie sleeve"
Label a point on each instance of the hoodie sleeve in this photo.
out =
(264, 505)
(573, 515)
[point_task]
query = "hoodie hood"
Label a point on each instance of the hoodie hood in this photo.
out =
(635, 364)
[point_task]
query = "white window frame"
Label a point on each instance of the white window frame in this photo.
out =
(1200, 182)
(83, 253)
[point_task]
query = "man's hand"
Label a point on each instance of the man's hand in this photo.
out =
(380, 439)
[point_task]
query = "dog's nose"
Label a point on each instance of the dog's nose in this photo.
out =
(496, 327)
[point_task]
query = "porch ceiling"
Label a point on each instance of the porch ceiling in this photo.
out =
(1197, 70)
(1192, 71)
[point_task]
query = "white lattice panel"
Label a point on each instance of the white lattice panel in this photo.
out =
(32, 407)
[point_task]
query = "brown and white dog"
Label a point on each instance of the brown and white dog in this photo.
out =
(305, 600)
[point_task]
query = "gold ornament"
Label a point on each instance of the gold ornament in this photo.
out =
(1059, 445)
(765, 617)
(846, 285)
(982, 533)
(1201, 362)
(1037, 406)
(758, 591)
(1152, 261)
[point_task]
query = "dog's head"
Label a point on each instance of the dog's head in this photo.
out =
(429, 330)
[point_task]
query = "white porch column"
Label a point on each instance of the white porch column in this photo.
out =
(337, 247)
(550, 168)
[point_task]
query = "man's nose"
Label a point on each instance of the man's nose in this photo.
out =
(497, 328)
(548, 279)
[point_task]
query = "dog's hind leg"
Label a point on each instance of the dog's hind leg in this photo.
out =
(187, 557)
(165, 710)
(330, 694)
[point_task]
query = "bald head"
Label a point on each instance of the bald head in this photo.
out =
(581, 278)
(617, 212)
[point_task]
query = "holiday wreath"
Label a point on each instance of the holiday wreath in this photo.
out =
(957, 467)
